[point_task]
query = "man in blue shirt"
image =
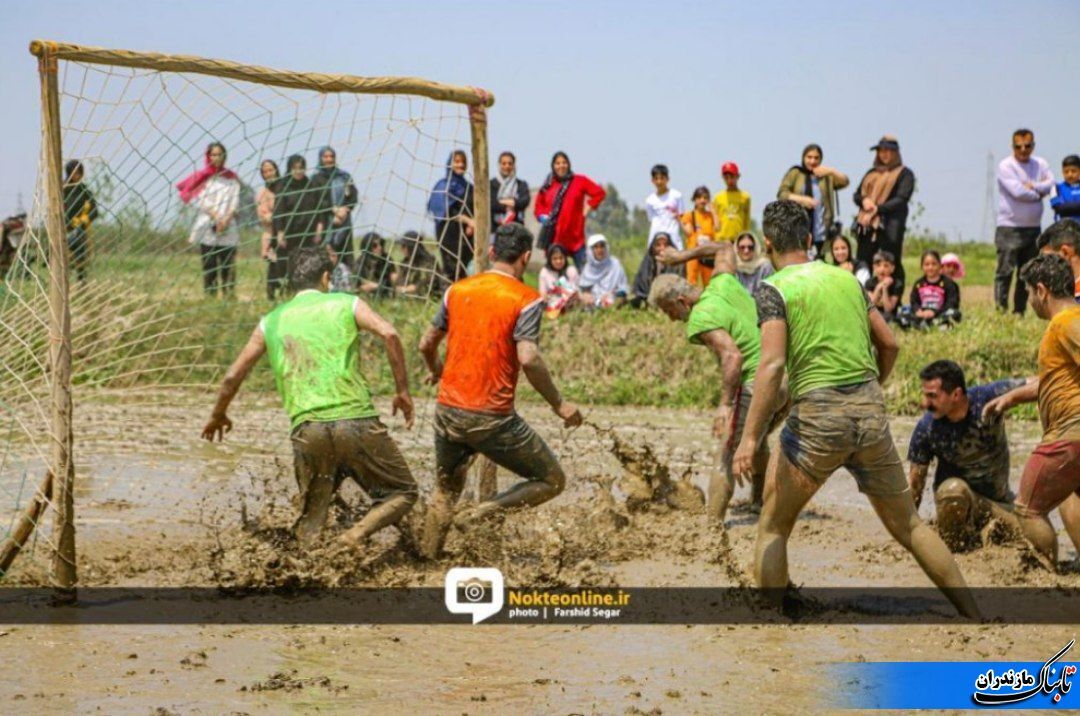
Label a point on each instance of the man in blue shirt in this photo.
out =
(971, 483)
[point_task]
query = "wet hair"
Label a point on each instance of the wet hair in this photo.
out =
(510, 154)
(886, 256)
(702, 192)
(512, 241)
(296, 160)
(1071, 161)
(1023, 132)
(810, 148)
(668, 287)
(307, 266)
(1065, 232)
(948, 372)
(1052, 271)
(72, 166)
(929, 252)
(659, 170)
(786, 226)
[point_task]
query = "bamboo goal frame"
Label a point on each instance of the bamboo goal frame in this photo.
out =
(49, 54)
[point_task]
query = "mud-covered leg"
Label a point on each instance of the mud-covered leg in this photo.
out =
(381, 471)
(786, 493)
(313, 458)
(452, 461)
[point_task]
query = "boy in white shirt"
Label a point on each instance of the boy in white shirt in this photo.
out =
(664, 207)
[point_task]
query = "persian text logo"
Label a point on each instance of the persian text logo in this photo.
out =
(477, 591)
(1013, 685)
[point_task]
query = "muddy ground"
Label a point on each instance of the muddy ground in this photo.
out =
(159, 508)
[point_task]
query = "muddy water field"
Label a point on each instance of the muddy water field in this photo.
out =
(157, 507)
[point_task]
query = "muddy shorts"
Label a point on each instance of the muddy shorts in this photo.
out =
(506, 439)
(830, 428)
(738, 422)
(359, 448)
(1052, 474)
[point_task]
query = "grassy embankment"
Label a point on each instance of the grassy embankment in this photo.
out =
(166, 333)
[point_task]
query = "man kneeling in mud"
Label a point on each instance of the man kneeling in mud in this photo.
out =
(971, 481)
(723, 317)
(817, 320)
(492, 324)
(314, 346)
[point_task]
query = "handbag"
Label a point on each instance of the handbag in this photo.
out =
(546, 235)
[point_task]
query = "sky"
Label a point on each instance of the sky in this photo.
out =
(621, 86)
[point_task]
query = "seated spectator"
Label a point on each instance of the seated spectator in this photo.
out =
(752, 266)
(416, 275)
(603, 282)
(373, 268)
(935, 298)
(651, 267)
(952, 266)
(841, 251)
(885, 292)
(559, 281)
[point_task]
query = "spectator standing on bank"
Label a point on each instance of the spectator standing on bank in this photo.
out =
(883, 197)
(1023, 180)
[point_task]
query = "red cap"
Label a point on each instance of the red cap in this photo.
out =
(730, 168)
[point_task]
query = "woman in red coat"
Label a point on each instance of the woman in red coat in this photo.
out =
(564, 201)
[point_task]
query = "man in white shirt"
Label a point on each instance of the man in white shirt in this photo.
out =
(1023, 182)
(664, 207)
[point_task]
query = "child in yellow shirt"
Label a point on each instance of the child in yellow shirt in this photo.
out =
(732, 206)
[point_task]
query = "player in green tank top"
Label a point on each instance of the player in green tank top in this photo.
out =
(313, 346)
(722, 317)
(817, 323)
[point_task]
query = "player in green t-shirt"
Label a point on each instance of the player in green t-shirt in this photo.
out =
(313, 345)
(721, 316)
(818, 324)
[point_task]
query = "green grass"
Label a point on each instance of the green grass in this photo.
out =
(142, 321)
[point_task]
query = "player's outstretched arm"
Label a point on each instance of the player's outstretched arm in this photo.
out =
(767, 381)
(219, 422)
(368, 320)
(885, 342)
(731, 362)
(721, 252)
(536, 372)
(1026, 393)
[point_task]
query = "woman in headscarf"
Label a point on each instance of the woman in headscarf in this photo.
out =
(80, 210)
(451, 205)
(215, 192)
(299, 209)
(751, 265)
(276, 266)
(373, 269)
(603, 282)
(510, 195)
(340, 200)
(813, 186)
(882, 197)
(417, 273)
(559, 280)
(651, 267)
(562, 204)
